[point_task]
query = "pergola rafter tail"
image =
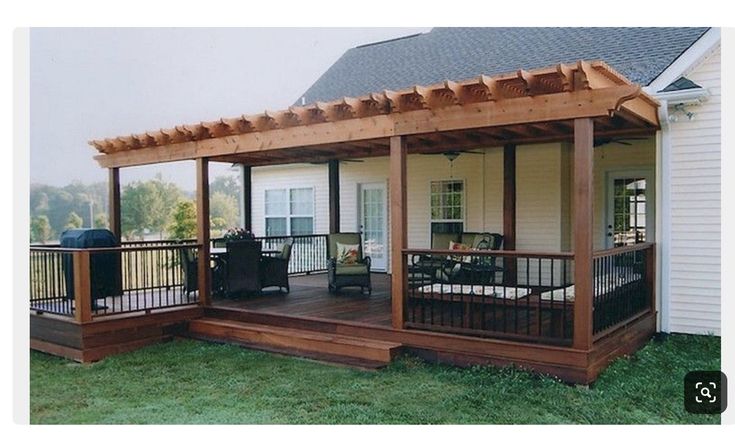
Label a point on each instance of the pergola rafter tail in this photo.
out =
(559, 92)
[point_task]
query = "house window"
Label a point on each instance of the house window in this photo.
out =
(447, 206)
(289, 211)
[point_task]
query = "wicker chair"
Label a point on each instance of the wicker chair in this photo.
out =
(242, 270)
(341, 274)
(274, 269)
(190, 266)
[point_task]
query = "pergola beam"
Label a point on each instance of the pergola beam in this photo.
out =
(584, 90)
(581, 104)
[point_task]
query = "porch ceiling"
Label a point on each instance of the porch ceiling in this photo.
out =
(518, 108)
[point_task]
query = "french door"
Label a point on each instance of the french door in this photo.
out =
(373, 224)
(630, 208)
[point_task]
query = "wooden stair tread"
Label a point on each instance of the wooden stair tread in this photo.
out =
(336, 348)
(331, 337)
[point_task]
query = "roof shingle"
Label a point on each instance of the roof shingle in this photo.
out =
(639, 53)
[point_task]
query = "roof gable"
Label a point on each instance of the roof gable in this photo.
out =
(640, 54)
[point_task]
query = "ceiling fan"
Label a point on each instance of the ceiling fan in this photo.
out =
(453, 154)
(617, 140)
(341, 160)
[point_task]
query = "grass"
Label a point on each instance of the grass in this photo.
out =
(187, 381)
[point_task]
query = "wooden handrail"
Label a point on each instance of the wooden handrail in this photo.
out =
(491, 253)
(620, 250)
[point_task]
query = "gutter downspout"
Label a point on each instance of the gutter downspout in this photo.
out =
(663, 237)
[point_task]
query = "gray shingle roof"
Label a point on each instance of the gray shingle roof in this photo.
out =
(641, 54)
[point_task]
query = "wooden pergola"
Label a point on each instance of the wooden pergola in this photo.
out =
(578, 103)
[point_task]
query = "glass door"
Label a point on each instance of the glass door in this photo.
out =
(630, 208)
(373, 224)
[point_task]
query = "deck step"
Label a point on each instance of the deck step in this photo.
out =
(335, 348)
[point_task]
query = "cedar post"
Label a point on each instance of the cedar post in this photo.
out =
(398, 224)
(82, 286)
(113, 176)
(334, 196)
(247, 197)
(203, 270)
(583, 216)
(509, 213)
(115, 216)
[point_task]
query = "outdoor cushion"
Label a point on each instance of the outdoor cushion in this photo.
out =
(440, 241)
(347, 253)
(351, 270)
(510, 293)
(459, 246)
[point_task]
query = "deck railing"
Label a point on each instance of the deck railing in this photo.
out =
(48, 284)
(308, 252)
(504, 294)
(86, 283)
(623, 285)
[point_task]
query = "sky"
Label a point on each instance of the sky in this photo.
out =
(92, 83)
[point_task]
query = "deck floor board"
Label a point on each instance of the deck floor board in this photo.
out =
(309, 297)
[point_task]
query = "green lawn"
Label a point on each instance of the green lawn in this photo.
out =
(188, 381)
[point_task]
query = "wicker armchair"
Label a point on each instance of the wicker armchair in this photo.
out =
(242, 270)
(274, 269)
(342, 274)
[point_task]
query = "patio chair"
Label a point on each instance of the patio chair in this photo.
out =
(428, 264)
(190, 265)
(347, 269)
(477, 269)
(274, 269)
(242, 268)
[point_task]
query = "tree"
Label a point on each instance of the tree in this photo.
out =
(228, 185)
(147, 206)
(184, 223)
(101, 221)
(73, 221)
(223, 211)
(40, 229)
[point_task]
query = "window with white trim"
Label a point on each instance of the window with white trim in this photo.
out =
(447, 206)
(289, 211)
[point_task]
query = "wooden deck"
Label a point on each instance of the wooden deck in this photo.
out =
(347, 328)
(309, 298)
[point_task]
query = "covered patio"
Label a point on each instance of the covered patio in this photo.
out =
(567, 313)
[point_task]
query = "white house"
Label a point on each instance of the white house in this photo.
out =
(664, 188)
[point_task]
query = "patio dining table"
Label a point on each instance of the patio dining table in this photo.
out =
(218, 256)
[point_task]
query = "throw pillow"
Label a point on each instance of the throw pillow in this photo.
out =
(459, 246)
(347, 253)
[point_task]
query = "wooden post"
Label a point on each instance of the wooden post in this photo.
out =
(334, 196)
(115, 217)
(398, 224)
(247, 197)
(203, 269)
(113, 176)
(509, 213)
(82, 286)
(583, 216)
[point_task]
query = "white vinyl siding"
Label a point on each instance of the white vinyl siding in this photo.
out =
(694, 277)
(291, 177)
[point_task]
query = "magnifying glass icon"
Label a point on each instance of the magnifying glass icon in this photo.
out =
(705, 392)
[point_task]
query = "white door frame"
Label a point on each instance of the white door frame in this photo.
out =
(384, 187)
(649, 174)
